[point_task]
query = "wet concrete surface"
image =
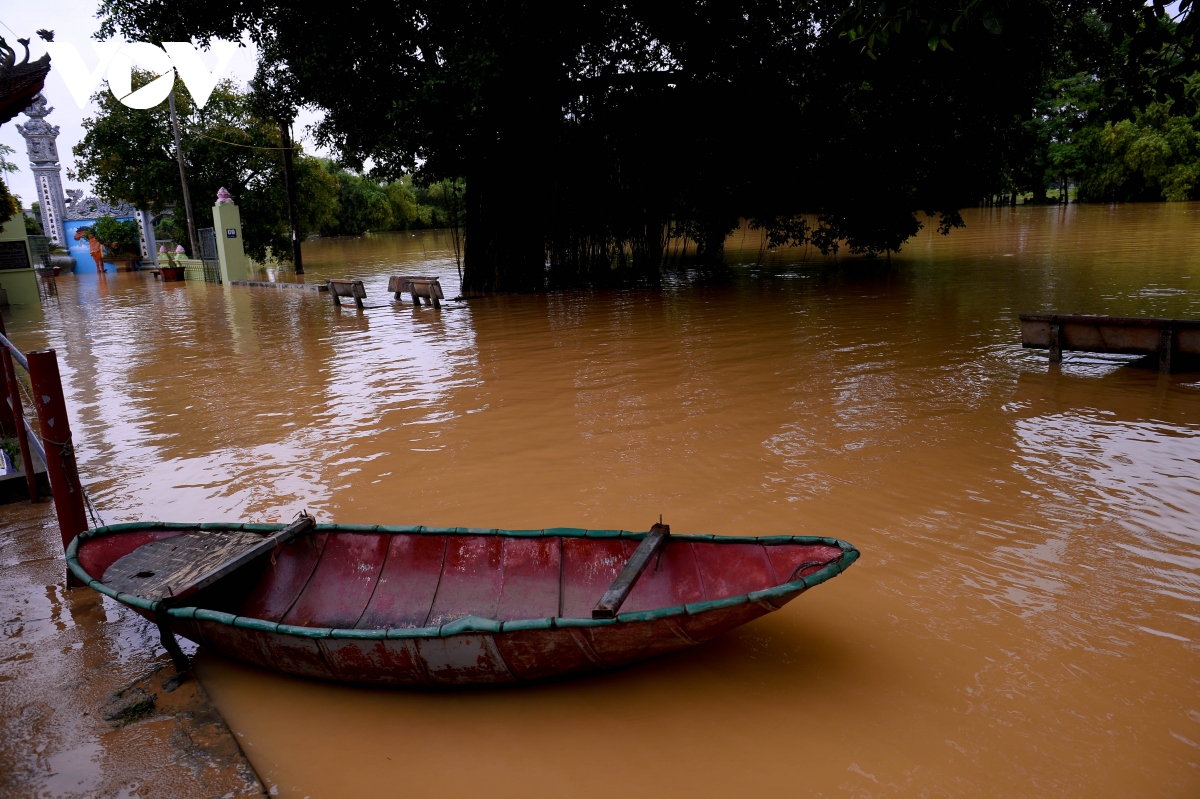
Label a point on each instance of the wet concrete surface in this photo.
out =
(70, 657)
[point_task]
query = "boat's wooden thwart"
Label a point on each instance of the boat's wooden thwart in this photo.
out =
(446, 606)
(618, 592)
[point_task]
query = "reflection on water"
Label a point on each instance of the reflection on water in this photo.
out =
(1025, 620)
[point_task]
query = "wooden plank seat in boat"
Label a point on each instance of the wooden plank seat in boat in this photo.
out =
(349, 288)
(453, 606)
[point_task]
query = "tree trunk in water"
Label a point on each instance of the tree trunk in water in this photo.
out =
(508, 184)
(504, 248)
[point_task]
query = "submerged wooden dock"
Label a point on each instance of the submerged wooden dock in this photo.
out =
(1169, 339)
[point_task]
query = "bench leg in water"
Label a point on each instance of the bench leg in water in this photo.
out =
(1055, 343)
(1166, 342)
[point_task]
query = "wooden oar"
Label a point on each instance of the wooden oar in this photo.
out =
(610, 604)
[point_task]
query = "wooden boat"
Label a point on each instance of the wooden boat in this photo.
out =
(427, 606)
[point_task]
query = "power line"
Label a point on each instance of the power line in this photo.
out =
(235, 144)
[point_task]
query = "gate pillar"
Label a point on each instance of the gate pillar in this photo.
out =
(227, 221)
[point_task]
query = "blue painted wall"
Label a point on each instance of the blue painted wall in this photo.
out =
(79, 249)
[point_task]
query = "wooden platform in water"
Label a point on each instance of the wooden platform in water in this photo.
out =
(1169, 339)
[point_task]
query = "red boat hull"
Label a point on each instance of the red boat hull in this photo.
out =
(450, 607)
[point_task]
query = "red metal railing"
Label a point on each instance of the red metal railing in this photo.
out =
(55, 447)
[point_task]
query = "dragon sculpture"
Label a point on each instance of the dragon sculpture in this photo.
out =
(21, 81)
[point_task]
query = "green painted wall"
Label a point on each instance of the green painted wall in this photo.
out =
(20, 284)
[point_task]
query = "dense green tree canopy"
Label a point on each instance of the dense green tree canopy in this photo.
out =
(822, 121)
(129, 154)
(1117, 113)
(362, 204)
(120, 237)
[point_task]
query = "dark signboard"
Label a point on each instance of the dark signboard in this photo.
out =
(13, 255)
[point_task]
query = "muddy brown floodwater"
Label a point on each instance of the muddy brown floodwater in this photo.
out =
(1025, 618)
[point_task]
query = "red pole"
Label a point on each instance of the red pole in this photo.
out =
(60, 452)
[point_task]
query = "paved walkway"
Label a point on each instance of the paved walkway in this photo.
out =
(64, 657)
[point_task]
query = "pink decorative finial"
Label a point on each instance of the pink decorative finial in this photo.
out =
(223, 196)
(162, 248)
(179, 249)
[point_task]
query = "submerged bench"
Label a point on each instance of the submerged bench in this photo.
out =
(346, 288)
(418, 286)
(1166, 338)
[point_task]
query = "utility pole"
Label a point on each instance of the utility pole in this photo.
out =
(289, 180)
(187, 197)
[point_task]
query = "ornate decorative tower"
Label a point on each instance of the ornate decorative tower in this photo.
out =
(40, 138)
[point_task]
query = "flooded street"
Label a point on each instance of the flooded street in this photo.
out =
(1025, 617)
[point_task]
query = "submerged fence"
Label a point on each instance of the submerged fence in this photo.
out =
(55, 448)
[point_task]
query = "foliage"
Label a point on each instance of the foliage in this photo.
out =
(638, 126)
(168, 228)
(1118, 108)
(33, 222)
(634, 124)
(407, 212)
(129, 154)
(7, 166)
(1153, 156)
(12, 448)
(9, 205)
(439, 204)
(362, 204)
(120, 237)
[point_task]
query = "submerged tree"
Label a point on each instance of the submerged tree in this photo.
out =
(631, 124)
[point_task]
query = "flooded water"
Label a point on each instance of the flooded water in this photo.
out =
(1025, 618)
